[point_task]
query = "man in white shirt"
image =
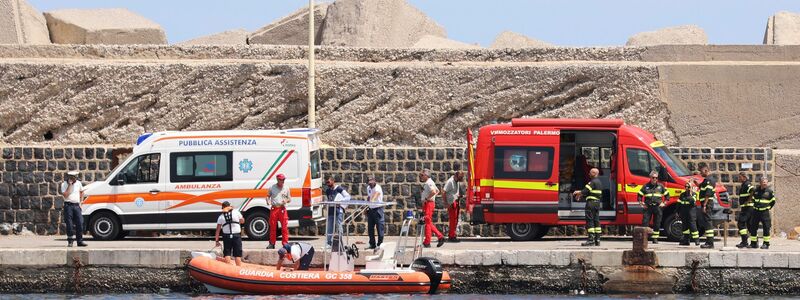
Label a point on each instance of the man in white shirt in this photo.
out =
(375, 213)
(300, 254)
(279, 196)
(229, 222)
(429, 192)
(452, 195)
(72, 190)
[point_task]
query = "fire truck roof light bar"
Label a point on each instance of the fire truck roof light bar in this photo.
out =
(574, 123)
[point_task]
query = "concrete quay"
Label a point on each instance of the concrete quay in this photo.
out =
(555, 265)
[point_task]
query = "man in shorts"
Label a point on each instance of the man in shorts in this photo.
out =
(229, 222)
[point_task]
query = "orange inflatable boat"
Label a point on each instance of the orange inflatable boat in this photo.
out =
(424, 276)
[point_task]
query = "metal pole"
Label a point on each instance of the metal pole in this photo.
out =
(312, 119)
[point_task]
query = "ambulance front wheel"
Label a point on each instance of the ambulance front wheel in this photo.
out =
(526, 231)
(257, 225)
(104, 226)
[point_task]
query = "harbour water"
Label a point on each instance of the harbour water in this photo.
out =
(384, 297)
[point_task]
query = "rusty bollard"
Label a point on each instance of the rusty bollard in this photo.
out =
(639, 255)
(639, 274)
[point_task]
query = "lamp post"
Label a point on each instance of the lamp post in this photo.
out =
(312, 122)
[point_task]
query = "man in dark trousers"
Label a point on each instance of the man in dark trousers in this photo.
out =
(72, 191)
(375, 217)
(299, 253)
(707, 196)
(649, 197)
(745, 208)
(687, 212)
(763, 201)
(592, 193)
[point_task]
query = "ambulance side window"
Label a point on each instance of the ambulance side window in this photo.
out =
(143, 169)
(641, 162)
(315, 165)
(201, 166)
(523, 162)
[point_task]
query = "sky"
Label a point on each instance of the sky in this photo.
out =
(563, 23)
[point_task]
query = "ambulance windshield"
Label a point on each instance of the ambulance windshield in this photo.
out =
(674, 163)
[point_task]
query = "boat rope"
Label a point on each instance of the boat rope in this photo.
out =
(76, 278)
(584, 277)
(695, 264)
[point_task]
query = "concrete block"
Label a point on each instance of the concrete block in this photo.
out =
(254, 256)
(533, 257)
(37, 257)
(291, 29)
(577, 255)
(230, 37)
(607, 258)
(123, 257)
(794, 260)
(776, 260)
(376, 23)
(160, 258)
(559, 258)
(701, 257)
(445, 257)
(491, 258)
(510, 257)
(722, 259)
(468, 257)
(21, 23)
(508, 39)
(114, 26)
(678, 35)
(675, 259)
(750, 259)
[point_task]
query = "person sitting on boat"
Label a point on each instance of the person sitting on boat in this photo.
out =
(335, 192)
(299, 253)
(230, 223)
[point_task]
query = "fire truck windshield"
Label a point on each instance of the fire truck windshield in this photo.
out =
(676, 164)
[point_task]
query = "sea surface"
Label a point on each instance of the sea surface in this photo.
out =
(386, 297)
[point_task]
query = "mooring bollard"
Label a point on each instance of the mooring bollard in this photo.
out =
(639, 274)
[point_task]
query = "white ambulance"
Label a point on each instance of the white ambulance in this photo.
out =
(178, 181)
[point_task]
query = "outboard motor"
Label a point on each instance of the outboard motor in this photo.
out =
(431, 267)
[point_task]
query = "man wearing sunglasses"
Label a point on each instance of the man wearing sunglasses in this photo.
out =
(649, 197)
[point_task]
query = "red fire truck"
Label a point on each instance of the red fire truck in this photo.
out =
(523, 174)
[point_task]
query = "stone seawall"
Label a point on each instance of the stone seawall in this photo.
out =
(473, 271)
(30, 175)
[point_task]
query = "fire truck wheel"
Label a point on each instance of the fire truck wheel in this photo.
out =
(525, 231)
(672, 228)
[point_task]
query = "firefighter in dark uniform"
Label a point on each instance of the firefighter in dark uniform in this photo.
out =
(763, 201)
(707, 196)
(650, 196)
(688, 213)
(745, 208)
(592, 193)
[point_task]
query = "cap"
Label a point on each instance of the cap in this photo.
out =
(73, 173)
(281, 177)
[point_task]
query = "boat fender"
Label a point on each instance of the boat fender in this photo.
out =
(431, 267)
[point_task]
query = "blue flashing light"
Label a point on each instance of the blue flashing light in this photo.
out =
(142, 138)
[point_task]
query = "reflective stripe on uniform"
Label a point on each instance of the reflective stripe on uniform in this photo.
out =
(710, 233)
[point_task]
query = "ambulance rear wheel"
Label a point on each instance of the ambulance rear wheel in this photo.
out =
(104, 226)
(525, 231)
(257, 226)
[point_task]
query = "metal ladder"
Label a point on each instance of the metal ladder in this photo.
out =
(402, 245)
